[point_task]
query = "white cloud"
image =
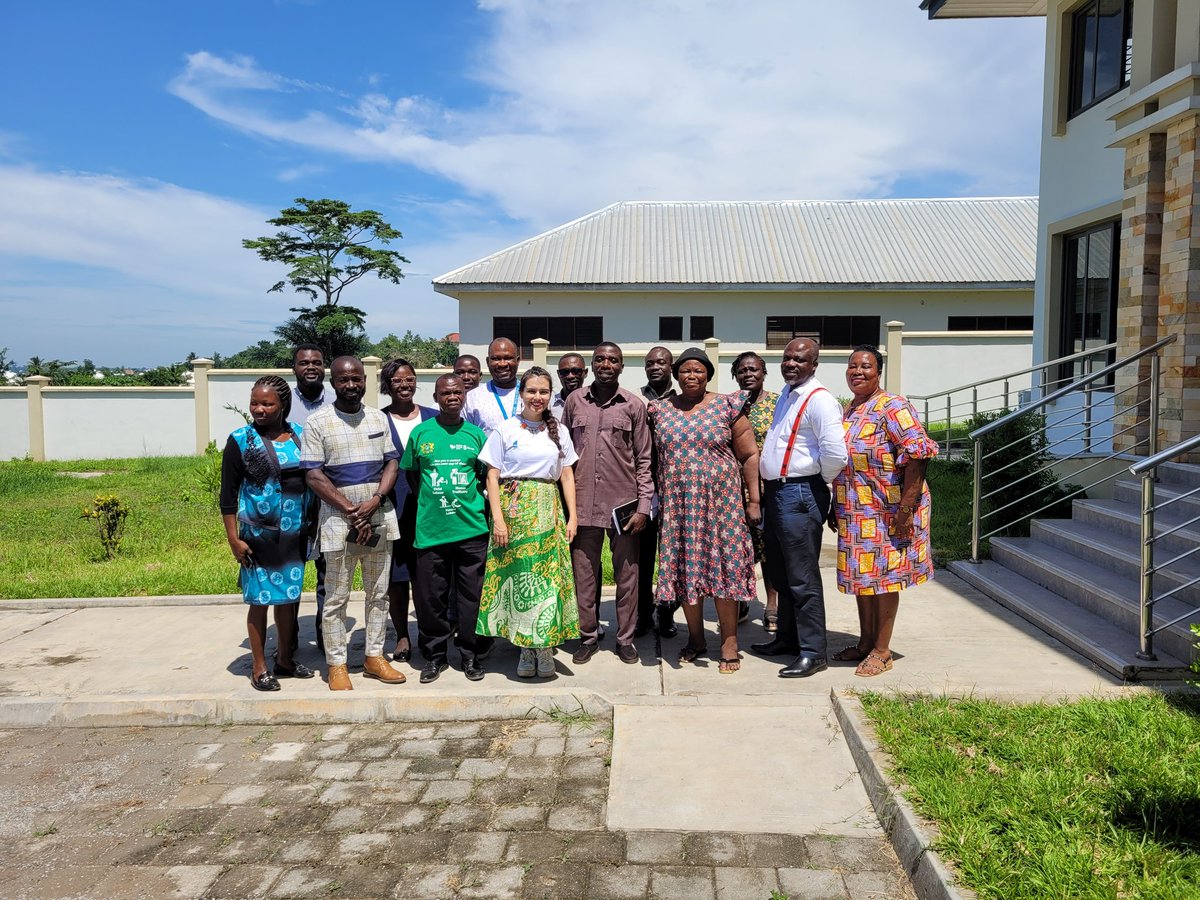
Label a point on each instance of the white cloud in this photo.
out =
(143, 271)
(592, 102)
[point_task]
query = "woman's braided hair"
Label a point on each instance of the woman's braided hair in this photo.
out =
(281, 389)
(547, 416)
(258, 467)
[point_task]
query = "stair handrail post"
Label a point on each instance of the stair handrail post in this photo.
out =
(1146, 587)
(1155, 376)
(976, 499)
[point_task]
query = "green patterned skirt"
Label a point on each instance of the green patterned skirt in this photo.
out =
(529, 586)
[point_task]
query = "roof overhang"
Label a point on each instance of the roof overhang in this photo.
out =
(983, 9)
(455, 290)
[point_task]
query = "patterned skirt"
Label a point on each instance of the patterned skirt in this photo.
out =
(529, 586)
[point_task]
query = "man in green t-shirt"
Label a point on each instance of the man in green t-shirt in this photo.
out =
(441, 460)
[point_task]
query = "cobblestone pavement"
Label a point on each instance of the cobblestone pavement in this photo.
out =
(465, 809)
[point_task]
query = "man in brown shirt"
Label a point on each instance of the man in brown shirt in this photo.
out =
(612, 437)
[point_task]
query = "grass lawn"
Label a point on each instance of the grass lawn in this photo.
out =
(1097, 798)
(950, 490)
(174, 540)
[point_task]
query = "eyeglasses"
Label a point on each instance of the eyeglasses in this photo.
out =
(575, 371)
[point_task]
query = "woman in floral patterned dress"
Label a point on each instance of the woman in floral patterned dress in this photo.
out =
(704, 549)
(881, 504)
(751, 372)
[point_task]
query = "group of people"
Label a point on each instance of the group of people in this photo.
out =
(496, 505)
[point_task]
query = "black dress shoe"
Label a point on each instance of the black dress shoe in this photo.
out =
(804, 666)
(298, 670)
(584, 653)
(666, 622)
(472, 668)
(774, 647)
(433, 669)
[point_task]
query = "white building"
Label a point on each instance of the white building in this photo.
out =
(958, 273)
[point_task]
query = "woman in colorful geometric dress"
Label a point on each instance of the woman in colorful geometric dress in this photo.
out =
(266, 507)
(528, 583)
(750, 372)
(706, 452)
(881, 504)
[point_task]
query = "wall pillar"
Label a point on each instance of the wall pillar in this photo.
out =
(37, 421)
(541, 347)
(371, 367)
(893, 375)
(712, 349)
(1138, 283)
(200, 370)
(1179, 285)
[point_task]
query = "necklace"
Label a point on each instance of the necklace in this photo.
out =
(531, 427)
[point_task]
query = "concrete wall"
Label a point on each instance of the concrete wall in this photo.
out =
(14, 423)
(118, 422)
(739, 317)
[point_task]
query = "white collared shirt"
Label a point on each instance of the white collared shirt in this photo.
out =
(820, 441)
(489, 407)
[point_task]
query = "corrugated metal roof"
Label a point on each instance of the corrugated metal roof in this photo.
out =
(772, 243)
(968, 9)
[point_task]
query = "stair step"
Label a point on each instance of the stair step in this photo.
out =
(1118, 553)
(1084, 632)
(1129, 490)
(1126, 519)
(1182, 475)
(1101, 592)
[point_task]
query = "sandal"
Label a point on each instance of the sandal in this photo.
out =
(727, 666)
(850, 654)
(873, 665)
(264, 682)
(770, 623)
(689, 654)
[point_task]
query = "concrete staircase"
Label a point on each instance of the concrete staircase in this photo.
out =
(1077, 579)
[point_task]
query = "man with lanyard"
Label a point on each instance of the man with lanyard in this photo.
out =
(308, 365)
(499, 400)
(441, 460)
(612, 437)
(658, 386)
(351, 464)
(572, 372)
(803, 452)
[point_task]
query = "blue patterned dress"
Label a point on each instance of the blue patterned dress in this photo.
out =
(704, 547)
(273, 512)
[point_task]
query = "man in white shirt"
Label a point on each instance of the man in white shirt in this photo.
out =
(803, 452)
(491, 404)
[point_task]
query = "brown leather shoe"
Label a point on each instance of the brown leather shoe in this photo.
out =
(378, 667)
(339, 679)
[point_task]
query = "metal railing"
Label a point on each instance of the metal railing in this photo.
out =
(989, 394)
(1045, 463)
(1147, 598)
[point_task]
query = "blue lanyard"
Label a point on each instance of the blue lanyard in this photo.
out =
(496, 394)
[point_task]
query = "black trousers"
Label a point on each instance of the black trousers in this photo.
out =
(449, 576)
(647, 553)
(793, 516)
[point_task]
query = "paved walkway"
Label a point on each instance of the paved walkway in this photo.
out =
(721, 785)
(464, 809)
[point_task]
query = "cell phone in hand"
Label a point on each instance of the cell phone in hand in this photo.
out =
(352, 537)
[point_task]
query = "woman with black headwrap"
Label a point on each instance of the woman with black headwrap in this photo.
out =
(266, 507)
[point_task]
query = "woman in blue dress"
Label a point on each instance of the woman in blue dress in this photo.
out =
(267, 510)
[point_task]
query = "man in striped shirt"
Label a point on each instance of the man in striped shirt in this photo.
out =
(351, 465)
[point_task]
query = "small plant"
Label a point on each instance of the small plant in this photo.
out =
(779, 895)
(234, 408)
(46, 830)
(109, 514)
(1195, 626)
(208, 473)
(578, 716)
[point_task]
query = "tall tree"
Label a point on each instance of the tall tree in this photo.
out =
(326, 248)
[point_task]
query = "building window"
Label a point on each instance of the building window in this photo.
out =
(1101, 51)
(701, 328)
(989, 323)
(1089, 302)
(670, 328)
(563, 332)
(835, 332)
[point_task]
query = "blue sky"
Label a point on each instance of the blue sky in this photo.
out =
(141, 141)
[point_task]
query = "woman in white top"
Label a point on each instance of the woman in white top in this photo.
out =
(528, 585)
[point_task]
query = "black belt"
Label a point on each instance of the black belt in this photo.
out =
(796, 479)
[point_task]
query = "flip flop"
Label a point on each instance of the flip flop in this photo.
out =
(689, 654)
(725, 664)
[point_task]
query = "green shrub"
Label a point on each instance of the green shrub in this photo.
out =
(109, 514)
(208, 474)
(1018, 476)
